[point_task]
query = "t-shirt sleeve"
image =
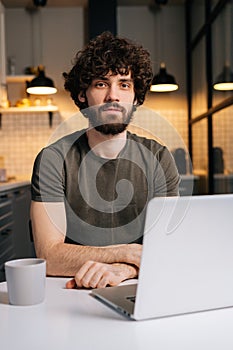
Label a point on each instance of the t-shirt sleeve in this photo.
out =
(167, 179)
(47, 177)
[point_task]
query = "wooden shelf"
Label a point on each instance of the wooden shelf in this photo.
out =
(32, 109)
(19, 78)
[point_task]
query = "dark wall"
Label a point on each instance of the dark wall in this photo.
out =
(101, 17)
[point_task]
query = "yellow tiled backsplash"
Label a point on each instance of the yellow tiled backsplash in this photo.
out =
(23, 136)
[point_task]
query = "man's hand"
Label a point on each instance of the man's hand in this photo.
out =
(98, 275)
(132, 254)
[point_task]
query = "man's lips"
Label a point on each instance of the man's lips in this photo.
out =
(112, 108)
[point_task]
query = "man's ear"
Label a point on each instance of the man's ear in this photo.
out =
(82, 96)
(135, 100)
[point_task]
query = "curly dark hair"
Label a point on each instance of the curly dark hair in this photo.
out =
(109, 53)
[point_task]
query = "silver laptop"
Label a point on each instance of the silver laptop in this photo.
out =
(187, 260)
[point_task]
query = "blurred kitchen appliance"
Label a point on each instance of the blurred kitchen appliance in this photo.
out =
(3, 176)
(218, 163)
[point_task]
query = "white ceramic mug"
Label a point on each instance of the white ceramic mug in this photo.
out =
(26, 281)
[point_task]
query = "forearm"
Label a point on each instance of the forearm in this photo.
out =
(49, 229)
(66, 259)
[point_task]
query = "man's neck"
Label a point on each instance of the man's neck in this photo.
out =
(106, 146)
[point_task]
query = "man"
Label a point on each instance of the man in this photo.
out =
(90, 188)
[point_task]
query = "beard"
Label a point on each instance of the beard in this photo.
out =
(111, 129)
(107, 122)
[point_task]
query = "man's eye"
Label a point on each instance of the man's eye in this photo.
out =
(125, 85)
(100, 84)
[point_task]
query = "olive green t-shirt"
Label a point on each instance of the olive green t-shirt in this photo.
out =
(105, 199)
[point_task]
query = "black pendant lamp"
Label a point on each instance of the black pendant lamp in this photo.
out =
(163, 82)
(41, 85)
(224, 82)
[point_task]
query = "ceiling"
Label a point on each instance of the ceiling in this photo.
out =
(69, 3)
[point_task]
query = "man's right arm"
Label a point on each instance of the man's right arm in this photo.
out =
(49, 229)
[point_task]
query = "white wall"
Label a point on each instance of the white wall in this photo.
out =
(60, 36)
(3, 94)
(51, 37)
(161, 31)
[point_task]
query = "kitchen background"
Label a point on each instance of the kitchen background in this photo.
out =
(52, 35)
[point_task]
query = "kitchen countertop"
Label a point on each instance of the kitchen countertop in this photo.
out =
(12, 184)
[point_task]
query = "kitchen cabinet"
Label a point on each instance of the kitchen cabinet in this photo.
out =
(6, 231)
(14, 223)
(21, 212)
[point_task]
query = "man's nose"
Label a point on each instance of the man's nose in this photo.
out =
(112, 94)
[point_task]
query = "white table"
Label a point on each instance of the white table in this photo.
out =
(71, 319)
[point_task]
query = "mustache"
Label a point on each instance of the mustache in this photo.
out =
(109, 105)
